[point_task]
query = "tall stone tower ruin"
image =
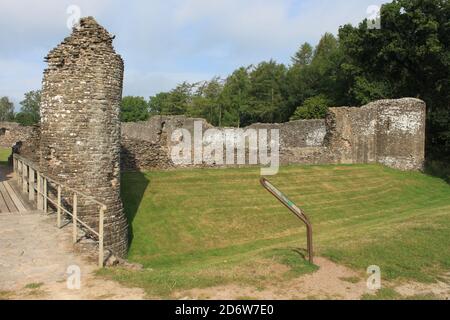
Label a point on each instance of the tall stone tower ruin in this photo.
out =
(80, 125)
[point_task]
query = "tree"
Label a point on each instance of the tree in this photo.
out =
(408, 56)
(327, 45)
(25, 119)
(313, 108)
(133, 109)
(6, 109)
(158, 103)
(236, 97)
(29, 112)
(269, 92)
(206, 101)
(322, 76)
(303, 56)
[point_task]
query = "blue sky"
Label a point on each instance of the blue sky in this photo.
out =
(166, 42)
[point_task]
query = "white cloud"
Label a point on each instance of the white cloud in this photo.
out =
(164, 41)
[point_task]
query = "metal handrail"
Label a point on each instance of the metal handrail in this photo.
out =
(295, 210)
(29, 186)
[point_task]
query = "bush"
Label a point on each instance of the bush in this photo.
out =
(313, 108)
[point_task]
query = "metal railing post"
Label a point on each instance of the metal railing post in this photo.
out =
(74, 218)
(100, 237)
(59, 207)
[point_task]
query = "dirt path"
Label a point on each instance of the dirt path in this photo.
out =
(34, 261)
(331, 281)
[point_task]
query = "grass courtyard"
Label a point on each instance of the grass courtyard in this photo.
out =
(200, 228)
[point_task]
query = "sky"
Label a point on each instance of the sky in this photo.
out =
(164, 43)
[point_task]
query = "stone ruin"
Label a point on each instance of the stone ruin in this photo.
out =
(81, 141)
(390, 132)
(80, 125)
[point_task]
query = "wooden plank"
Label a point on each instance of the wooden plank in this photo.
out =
(3, 206)
(18, 192)
(31, 185)
(21, 206)
(9, 203)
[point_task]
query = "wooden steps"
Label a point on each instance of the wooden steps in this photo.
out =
(11, 200)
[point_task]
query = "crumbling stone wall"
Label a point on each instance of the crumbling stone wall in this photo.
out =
(12, 132)
(80, 126)
(147, 144)
(391, 132)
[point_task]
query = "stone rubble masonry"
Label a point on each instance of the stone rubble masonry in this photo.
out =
(147, 144)
(80, 126)
(390, 132)
(12, 132)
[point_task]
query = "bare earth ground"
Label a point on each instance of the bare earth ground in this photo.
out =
(34, 257)
(329, 282)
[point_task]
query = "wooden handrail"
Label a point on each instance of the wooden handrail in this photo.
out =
(26, 180)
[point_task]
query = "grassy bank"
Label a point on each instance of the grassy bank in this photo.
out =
(4, 154)
(197, 228)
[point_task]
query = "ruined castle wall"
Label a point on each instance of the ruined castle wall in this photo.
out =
(148, 144)
(390, 132)
(12, 132)
(80, 127)
(401, 133)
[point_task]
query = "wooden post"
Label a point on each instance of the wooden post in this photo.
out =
(39, 191)
(24, 179)
(45, 195)
(19, 172)
(74, 218)
(15, 166)
(31, 184)
(100, 237)
(58, 207)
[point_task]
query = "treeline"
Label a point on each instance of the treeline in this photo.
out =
(267, 92)
(29, 110)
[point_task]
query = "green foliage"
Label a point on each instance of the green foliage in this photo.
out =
(268, 94)
(236, 97)
(206, 102)
(4, 155)
(25, 118)
(6, 109)
(30, 108)
(133, 109)
(408, 56)
(304, 55)
(313, 108)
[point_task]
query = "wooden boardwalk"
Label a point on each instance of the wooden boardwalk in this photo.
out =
(11, 199)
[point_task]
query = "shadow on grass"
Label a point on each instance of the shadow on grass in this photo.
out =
(133, 187)
(438, 168)
(303, 253)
